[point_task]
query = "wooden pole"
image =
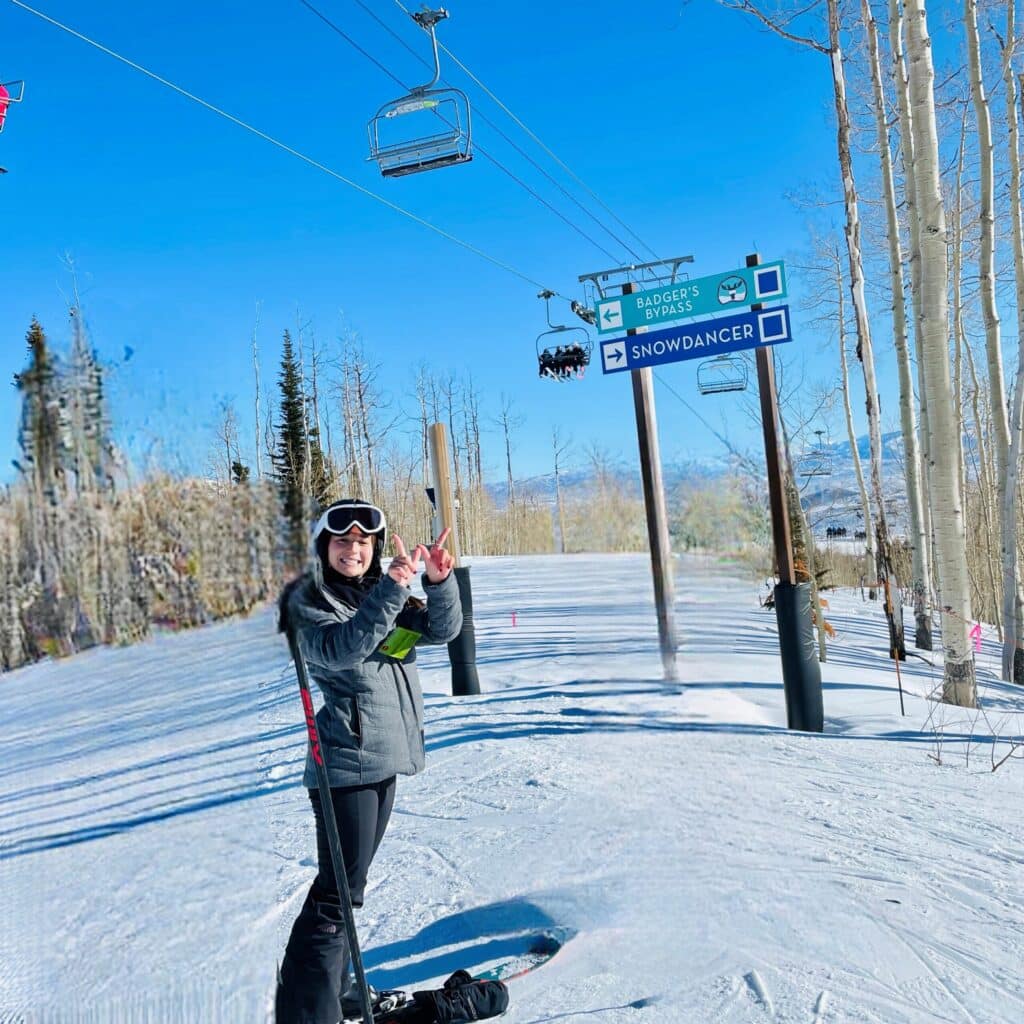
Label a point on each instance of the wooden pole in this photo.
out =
(443, 487)
(654, 506)
(461, 650)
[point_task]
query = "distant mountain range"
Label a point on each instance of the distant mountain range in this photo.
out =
(542, 488)
(828, 483)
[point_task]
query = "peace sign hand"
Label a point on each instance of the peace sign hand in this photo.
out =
(404, 568)
(437, 562)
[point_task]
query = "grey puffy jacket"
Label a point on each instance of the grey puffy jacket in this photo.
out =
(371, 723)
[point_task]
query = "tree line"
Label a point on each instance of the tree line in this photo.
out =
(930, 173)
(94, 550)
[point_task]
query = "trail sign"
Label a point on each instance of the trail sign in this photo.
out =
(700, 340)
(702, 296)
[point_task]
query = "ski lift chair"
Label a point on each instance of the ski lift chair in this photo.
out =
(563, 352)
(443, 141)
(10, 92)
(7, 97)
(721, 374)
(815, 463)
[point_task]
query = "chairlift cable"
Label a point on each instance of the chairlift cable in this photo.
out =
(483, 117)
(554, 156)
(508, 268)
(477, 147)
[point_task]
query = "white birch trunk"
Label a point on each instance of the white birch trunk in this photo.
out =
(987, 258)
(1013, 600)
(985, 486)
(256, 370)
(865, 351)
(869, 532)
(959, 333)
(947, 508)
(906, 139)
(921, 571)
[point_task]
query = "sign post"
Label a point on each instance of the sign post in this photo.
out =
(755, 327)
(462, 650)
(801, 673)
(657, 514)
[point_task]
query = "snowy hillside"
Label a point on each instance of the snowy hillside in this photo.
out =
(155, 843)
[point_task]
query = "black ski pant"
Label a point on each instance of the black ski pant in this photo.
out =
(312, 976)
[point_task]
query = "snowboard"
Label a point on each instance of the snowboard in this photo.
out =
(537, 949)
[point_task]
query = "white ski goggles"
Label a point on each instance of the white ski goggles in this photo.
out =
(340, 518)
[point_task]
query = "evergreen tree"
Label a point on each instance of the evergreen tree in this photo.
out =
(41, 433)
(87, 412)
(289, 456)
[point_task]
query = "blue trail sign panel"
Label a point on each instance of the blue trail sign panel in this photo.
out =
(702, 296)
(701, 340)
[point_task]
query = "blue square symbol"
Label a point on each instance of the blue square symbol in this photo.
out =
(767, 282)
(771, 326)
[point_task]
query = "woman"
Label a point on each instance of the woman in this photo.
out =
(357, 628)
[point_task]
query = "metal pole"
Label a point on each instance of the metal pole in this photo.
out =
(776, 493)
(654, 506)
(801, 672)
(331, 828)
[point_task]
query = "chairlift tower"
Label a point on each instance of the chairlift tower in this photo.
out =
(443, 142)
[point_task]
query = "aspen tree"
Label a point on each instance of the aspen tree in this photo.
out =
(947, 506)
(869, 533)
(987, 223)
(921, 569)
(852, 230)
(256, 394)
(559, 448)
(906, 146)
(1013, 599)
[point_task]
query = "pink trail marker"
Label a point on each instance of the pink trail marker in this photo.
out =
(976, 636)
(513, 618)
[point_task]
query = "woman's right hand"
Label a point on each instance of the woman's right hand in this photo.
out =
(403, 569)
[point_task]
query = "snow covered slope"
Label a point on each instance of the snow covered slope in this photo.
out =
(155, 843)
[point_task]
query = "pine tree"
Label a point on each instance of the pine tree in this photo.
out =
(289, 456)
(51, 617)
(40, 435)
(87, 412)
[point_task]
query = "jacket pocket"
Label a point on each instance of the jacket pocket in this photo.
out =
(357, 723)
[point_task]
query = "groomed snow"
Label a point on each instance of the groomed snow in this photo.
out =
(155, 842)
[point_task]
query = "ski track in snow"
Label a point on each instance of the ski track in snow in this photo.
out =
(155, 841)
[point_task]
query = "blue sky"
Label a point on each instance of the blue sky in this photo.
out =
(690, 122)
